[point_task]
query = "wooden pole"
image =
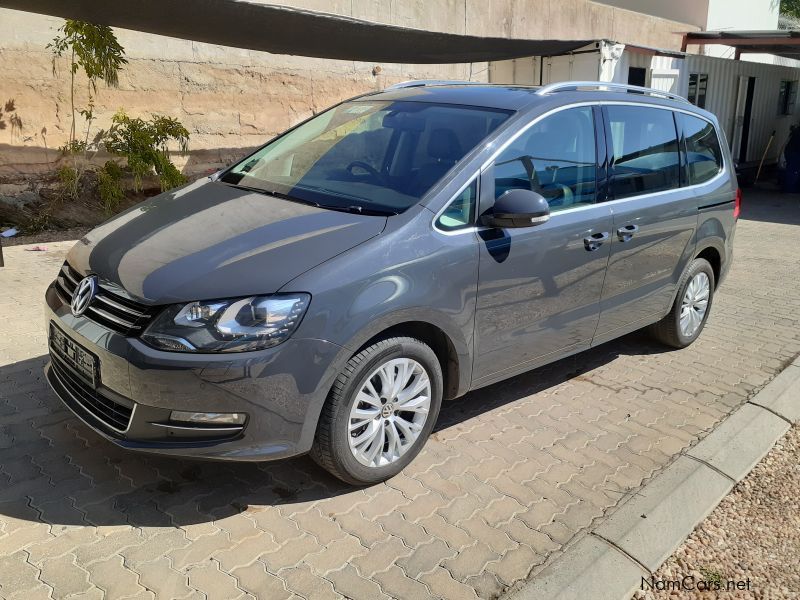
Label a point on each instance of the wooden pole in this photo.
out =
(763, 156)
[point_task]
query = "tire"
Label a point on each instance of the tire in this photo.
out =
(669, 330)
(332, 448)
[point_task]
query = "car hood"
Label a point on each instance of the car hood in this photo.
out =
(210, 240)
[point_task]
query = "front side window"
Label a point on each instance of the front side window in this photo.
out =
(703, 154)
(367, 155)
(556, 158)
(460, 213)
(645, 151)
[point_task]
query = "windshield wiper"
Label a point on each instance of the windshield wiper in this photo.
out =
(360, 210)
(274, 194)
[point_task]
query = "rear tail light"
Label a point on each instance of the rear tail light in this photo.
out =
(737, 204)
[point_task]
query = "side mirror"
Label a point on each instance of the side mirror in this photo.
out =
(518, 208)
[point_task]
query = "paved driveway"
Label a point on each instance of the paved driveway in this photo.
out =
(512, 474)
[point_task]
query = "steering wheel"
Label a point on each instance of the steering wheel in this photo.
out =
(360, 164)
(566, 196)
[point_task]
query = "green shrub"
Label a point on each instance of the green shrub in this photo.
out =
(144, 144)
(109, 186)
(69, 180)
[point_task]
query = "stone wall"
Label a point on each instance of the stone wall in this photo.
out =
(232, 100)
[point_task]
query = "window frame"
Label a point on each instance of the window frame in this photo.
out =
(610, 151)
(476, 179)
(684, 148)
(485, 169)
(600, 158)
(698, 78)
(787, 97)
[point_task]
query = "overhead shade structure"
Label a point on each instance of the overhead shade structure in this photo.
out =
(780, 42)
(286, 30)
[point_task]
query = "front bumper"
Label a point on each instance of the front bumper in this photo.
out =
(281, 390)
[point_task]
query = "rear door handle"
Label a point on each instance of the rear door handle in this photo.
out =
(626, 232)
(594, 241)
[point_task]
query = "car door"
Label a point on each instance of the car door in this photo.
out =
(654, 218)
(539, 287)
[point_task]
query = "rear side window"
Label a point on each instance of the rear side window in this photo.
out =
(556, 158)
(644, 145)
(703, 154)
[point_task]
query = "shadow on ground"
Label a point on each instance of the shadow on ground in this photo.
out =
(54, 469)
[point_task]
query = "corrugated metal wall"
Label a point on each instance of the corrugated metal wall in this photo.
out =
(723, 91)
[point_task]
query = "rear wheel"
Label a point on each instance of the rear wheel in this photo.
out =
(380, 411)
(689, 313)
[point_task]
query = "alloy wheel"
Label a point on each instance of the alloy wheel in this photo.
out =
(695, 304)
(389, 412)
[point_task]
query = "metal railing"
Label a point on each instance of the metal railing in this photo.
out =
(428, 82)
(565, 86)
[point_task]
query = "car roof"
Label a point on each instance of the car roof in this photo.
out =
(505, 97)
(519, 97)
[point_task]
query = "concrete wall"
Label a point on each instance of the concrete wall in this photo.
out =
(232, 100)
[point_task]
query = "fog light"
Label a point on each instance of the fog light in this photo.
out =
(202, 418)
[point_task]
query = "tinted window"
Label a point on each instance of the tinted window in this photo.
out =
(645, 150)
(459, 213)
(703, 155)
(555, 157)
(368, 155)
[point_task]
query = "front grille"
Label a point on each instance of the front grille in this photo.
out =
(108, 309)
(85, 400)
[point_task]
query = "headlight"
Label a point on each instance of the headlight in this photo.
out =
(234, 325)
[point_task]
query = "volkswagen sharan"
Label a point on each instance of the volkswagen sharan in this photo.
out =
(325, 294)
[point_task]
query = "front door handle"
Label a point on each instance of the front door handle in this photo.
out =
(594, 241)
(626, 232)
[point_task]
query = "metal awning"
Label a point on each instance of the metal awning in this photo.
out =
(781, 42)
(286, 30)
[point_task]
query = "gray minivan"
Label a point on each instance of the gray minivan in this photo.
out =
(326, 293)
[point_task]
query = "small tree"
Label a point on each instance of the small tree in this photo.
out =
(144, 146)
(95, 50)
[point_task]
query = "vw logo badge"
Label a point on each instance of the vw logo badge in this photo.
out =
(83, 294)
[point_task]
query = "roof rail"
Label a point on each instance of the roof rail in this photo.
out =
(428, 82)
(606, 86)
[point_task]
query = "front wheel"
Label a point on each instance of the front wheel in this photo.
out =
(380, 412)
(689, 313)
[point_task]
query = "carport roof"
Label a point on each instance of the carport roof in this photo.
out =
(286, 30)
(781, 42)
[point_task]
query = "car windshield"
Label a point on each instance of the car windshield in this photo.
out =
(369, 156)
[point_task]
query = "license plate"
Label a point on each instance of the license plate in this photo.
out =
(81, 360)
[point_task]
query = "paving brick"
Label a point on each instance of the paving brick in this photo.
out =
(290, 553)
(350, 584)
(335, 555)
(163, 580)
(495, 537)
(200, 550)
(425, 558)
(256, 580)
(381, 556)
(113, 578)
(306, 584)
(246, 552)
(323, 528)
(394, 582)
(65, 577)
(17, 574)
(442, 585)
(213, 582)
(470, 561)
(515, 470)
